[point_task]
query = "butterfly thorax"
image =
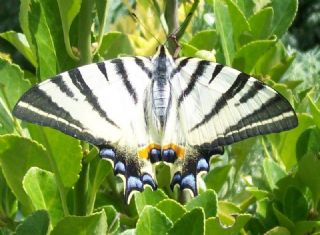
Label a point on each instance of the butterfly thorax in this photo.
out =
(161, 88)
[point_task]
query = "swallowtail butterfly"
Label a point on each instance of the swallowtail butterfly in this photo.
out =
(139, 111)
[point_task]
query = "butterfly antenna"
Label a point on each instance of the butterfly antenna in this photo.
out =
(135, 18)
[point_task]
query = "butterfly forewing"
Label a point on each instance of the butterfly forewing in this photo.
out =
(221, 105)
(140, 111)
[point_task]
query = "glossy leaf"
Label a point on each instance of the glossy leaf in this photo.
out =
(273, 172)
(225, 30)
(213, 225)
(260, 23)
(309, 167)
(217, 177)
(16, 161)
(92, 224)
(148, 197)
(114, 44)
(19, 41)
(206, 200)
(191, 223)
(172, 209)
(295, 205)
(248, 56)
(42, 40)
(278, 230)
(12, 86)
(113, 218)
(205, 40)
(152, 221)
(35, 224)
(284, 141)
(284, 13)
(41, 187)
(67, 160)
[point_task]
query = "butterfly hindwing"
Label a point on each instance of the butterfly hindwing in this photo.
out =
(217, 106)
(140, 111)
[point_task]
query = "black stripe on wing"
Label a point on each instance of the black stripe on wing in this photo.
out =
(236, 87)
(103, 69)
(82, 86)
(182, 64)
(38, 99)
(194, 77)
(141, 64)
(119, 66)
(216, 71)
(62, 86)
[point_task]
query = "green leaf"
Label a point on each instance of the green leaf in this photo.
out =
(24, 23)
(295, 205)
(17, 155)
(113, 218)
(260, 23)
(213, 225)
(69, 9)
(19, 41)
(9, 203)
(275, 62)
(308, 172)
(67, 160)
(217, 177)
(35, 224)
(205, 40)
(188, 50)
(12, 86)
(152, 221)
(277, 231)
(191, 223)
(306, 227)
(248, 56)
(148, 197)
(225, 30)
(92, 224)
(12, 83)
(41, 187)
(99, 169)
(273, 172)
(283, 142)
(172, 209)
(308, 142)
(42, 40)
(114, 44)
(51, 14)
(227, 212)
(284, 13)
(232, 26)
(246, 6)
(207, 200)
(283, 219)
(315, 111)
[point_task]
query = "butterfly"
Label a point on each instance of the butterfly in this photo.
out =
(140, 111)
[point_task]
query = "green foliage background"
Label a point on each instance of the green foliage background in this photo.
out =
(52, 183)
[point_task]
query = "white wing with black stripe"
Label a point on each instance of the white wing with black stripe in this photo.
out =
(81, 102)
(140, 111)
(220, 105)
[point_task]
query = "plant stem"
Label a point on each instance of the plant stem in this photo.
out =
(171, 16)
(85, 22)
(84, 44)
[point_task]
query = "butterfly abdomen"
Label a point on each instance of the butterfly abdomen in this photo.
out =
(161, 100)
(161, 88)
